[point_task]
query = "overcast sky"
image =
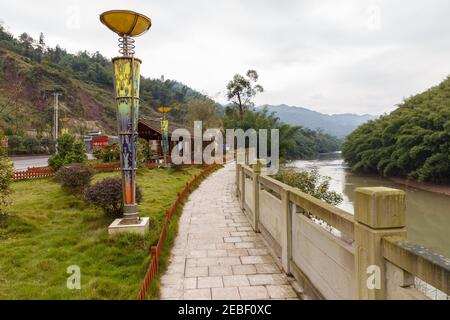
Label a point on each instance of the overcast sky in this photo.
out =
(330, 56)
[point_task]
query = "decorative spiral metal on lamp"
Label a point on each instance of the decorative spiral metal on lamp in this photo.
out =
(126, 45)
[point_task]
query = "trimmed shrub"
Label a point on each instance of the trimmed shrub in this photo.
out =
(70, 151)
(98, 153)
(110, 153)
(75, 178)
(107, 195)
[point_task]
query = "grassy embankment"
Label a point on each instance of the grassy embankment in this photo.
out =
(48, 230)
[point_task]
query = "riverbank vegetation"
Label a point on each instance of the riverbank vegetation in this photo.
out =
(48, 229)
(310, 182)
(413, 141)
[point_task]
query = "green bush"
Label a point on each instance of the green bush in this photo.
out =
(70, 151)
(47, 145)
(6, 177)
(107, 195)
(15, 144)
(111, 155)
(75, 178)
(31, 145)
(108, 154)
(312, 183)
(98, 153)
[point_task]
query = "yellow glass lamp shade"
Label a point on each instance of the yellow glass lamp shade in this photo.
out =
(125, 22)
(164, 109)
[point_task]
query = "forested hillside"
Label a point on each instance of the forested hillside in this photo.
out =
(30, 72)
(413, 141)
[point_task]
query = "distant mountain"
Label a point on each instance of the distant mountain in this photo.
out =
(338, 125)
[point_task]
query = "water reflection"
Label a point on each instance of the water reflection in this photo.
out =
(427, 213)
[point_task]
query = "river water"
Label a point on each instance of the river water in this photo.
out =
(427, 213)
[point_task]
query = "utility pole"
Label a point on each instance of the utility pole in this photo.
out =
(56, 118)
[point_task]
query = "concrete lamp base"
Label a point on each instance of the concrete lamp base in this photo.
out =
(139, 226)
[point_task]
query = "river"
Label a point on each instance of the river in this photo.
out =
(427, 213)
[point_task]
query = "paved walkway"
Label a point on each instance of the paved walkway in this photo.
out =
(216, 253)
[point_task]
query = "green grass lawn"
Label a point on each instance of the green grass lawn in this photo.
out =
(48, 230)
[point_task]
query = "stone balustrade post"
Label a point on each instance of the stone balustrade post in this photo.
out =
(256, 172)
(242, 181)
(286, 231)
(379, 212)
(238, 170)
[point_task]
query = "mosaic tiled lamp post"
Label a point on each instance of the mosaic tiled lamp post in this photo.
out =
(165, 134)
(127, 24)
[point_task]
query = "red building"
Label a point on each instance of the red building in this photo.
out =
(100, 142)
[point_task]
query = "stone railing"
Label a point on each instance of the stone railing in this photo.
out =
(334, 254)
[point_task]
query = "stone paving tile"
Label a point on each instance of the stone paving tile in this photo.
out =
(222, 270)
(237, 252)
(258, 252)
(245, 245)
(267, 268)
(197, 294)
(253, 293)
(281, 292)
(196, 271)
(216, 254)
(209, 282)
(190, 283)
(244, 269)
(229, 260)
(225, 294)
(235, 281)
(171, 292)
(172, 279)
(267, 279)
(227, 246)
(256, 259)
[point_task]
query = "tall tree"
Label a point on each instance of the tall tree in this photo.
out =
(42, 40)
(202, 110)
(241, 90)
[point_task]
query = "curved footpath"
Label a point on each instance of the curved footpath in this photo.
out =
(217, 255)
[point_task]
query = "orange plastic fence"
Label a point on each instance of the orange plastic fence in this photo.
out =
(156, 250)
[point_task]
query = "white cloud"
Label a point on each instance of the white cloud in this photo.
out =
(333, 56)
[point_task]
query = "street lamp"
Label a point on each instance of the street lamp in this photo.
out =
(127, 24)
(165, 134)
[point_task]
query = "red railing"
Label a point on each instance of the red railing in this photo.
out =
(112, 166)
(33, 172)
(156, 250)
(42, 172)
